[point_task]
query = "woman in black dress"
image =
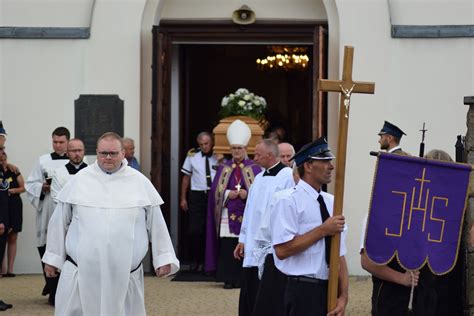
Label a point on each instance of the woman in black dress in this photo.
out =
(15, 211)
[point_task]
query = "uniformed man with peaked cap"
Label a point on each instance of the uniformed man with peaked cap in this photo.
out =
(302, 224)
(390, 282)
(390, 136)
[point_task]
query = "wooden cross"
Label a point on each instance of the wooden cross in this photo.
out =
(346, 87)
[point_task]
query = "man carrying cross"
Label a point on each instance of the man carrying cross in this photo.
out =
(302, 224)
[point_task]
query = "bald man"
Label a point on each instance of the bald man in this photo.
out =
(75, 152)
(287, 151)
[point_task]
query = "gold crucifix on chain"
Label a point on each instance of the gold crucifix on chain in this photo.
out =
(346, 87)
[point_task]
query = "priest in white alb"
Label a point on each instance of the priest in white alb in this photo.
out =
(99, 234)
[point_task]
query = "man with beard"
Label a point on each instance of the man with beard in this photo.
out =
(390, 136)
(75, 152)
(391, 283)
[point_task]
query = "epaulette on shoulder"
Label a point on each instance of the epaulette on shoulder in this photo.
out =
(192, 152)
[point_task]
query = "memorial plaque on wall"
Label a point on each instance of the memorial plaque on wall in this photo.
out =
(95, 114)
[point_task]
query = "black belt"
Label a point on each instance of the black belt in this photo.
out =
(74, 263)
(201, 191)
(307, 280)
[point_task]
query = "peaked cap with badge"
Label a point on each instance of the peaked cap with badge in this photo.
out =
(316, 150)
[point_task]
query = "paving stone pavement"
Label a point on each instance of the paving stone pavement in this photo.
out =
(164, 297)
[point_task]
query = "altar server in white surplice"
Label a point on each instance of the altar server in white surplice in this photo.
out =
(38, 191)
(276, 177)
(75, 152)
(99, 234)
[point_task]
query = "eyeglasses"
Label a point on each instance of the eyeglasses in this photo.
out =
(112, 154)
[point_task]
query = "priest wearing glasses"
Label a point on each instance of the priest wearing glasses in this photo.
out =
(226, 207)
(99, 234)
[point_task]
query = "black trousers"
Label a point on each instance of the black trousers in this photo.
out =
(271, 292)
(305, 298)
(197, 225)
(3, 244)
(389, 299)
(51, 283)
(248, 290)
(229, 269)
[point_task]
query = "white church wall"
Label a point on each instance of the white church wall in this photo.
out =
(151, 11)
(264, 10)
(46, 13)
(428, 12)
(40, 80)
(417, 80)
(333, 72)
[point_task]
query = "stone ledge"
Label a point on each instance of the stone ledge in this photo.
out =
(45, 32)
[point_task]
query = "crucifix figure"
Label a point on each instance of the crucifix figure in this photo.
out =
(347, 98)
(346, 87)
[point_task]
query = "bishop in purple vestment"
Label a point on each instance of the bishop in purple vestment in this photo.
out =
(226, 206)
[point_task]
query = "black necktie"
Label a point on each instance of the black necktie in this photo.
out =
(208, 174)
(324, 217)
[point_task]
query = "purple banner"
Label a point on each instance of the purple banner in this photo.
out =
(416, 212)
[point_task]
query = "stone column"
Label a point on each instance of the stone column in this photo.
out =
(469, 234)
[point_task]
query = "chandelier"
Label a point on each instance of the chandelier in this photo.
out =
(285, 58)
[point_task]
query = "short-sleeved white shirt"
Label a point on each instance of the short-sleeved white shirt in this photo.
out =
(195, 166)
(362, 233)
(296, 214)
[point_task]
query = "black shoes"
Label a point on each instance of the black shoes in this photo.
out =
(4, 306)
(45, 290)
(9, 275)
(196, 267)
(228, 285)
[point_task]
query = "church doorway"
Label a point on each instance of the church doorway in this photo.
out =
(195, 66)
(209, 72)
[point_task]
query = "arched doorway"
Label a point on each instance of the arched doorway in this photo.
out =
(195, 65)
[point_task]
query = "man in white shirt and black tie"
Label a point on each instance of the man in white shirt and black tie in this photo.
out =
(302, 224)
(199, 169)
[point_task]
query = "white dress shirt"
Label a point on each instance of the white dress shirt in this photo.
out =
(195, 166)
(295, 214)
